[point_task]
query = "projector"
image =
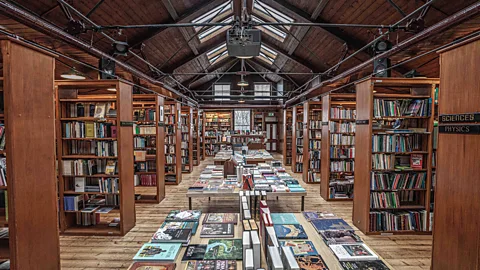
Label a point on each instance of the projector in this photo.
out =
(243, 43)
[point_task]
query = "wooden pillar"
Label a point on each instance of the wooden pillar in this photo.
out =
(160, 143)
(325, 152)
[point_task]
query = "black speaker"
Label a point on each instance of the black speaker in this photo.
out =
(380, 67)
(108, 67)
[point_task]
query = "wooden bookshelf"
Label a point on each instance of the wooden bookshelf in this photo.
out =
(115, 122)
(216, 124)
(297, 139)
(149, 181)
(312, 139)
(266, 121)
(29, 199)
(187, 139)
(287, 140)
(197, 153)
(173, 139)
(376, 97)
(338, 123)
(258, 121)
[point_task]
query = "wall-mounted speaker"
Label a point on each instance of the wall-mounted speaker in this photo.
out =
(380, 67)
(108, 67)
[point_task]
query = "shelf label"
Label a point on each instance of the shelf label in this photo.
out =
(161, 124)
(127, 123)
(362, 122)
(459, 118)
(325, 123)
(459, 129)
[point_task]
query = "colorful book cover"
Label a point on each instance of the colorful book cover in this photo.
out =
(184, 215)
(330, 225)
(225, 265)
(300, 248)
(310, 215)
(367, 265)
(353, 252)
(194, 252)
(215, 218)
(311, 263)
(283, 218)
(290, 231)
(340, 237)
(163, 235)
(158, 252)
(224, 249)
(180, 225)
(152, 266)
(217, 230)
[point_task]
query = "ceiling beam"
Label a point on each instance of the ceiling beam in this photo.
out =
(174, 15)
(230, 65)
(319, 9)
(258, 63)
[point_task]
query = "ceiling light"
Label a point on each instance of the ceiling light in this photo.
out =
(241, 101)
(242, 83)
(245, 57)
(73, 75)
(112, 89)
(120, 48)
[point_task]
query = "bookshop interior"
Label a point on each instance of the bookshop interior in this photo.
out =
(239, 134)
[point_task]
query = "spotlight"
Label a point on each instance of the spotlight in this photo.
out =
(382, 46)
(120, 48)
(75, 28)
(73, 75)
(242, 83)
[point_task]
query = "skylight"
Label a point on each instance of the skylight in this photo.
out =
(267, 55)
(217, 54)
(271, 14)
(214, 30)
(270, 30)
(211, 16)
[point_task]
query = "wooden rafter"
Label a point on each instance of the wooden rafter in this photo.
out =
(173, 13)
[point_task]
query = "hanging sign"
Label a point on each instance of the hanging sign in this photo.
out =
(460, 118)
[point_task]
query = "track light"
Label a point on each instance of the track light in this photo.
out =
(120, 48)
(73, 75)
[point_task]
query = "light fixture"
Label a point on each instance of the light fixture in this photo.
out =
(241, 100)
(73, 74)
(242, 83)
(113, 89)
(244, 57)
(242, 95)
(120, 48)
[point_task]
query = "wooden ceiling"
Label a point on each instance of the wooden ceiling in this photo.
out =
(304, 50)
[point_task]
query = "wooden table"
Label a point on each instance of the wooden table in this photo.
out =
(196, 194)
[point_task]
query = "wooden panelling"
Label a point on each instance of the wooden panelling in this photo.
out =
(160, 141)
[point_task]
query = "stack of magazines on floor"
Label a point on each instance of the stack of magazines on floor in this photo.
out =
(343, 242)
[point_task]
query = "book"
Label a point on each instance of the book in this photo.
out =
(309, 215)
(289, 261)
(183, 215)
(300, 247)
(274, 260)
(290, 231)
(365, 265)
(80, 184)
(211, 265)
(340, 237)
(224, 249)
(100, 110)
(256, 246)
(152, 266)
(330, 225)
(181, 225)
(353, 252)
(248, 260)
(416, 161)
(311, 263)
(163, 235)
(158, 252)
(194, 252)
(215, 218)
(283, 218)
(246, 244)
(225, 265)
(217, 230)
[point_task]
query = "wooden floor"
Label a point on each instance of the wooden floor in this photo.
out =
(402, 252)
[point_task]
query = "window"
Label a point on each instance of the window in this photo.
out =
(214, 30)
(262, 89)
(270, 30)
(242, 120)
(267, 55)
(218, 14)
(217, 54)
(221, 89)
(270, 13)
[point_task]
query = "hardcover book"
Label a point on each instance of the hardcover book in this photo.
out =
(368, 265)
(340, 237)
(172, 235)
(194, 252)
(311, 263)
(225, 265)
(180, 225)
(283, 218)
(300, 248)
(152, 266)
(309, 215)
(211, 265)
(330, 225)
(224, 249)
(353, 252)
(290, 231)
(184, 215)
(217, 230)
(158, 252)
(215, 218)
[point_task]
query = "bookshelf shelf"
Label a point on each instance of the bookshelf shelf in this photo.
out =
(414, 107)
(90, 139)
(216, 123)
(312, 142)
(187, 130)
(121, 167)
(287, 141)
(297, 139)
(172, 141)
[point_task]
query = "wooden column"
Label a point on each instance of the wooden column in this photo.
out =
(178, 141)
(30, 142)
(160, 143)
(325, 152)
(456, 235)
(306, 152)
(294, 138)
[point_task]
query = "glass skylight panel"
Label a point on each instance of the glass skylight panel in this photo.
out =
(267, 55)
(270, 30)
(211, 16)
(214, 30)
(218, 53)
(271, 14)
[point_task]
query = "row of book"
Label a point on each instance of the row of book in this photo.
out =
(382, 181)
(184, 144)
(144, 130)
(341, 139)
(393, 199)
(342, 127)
(342, 166)
(169, 149)
(170, 159)
(169, 109)
(184, 152)
(396, 143)
(98, 148)
(147, 115)
(401, 107)
(383, 161)
(341, 189)
(299, 159)
(315, 124)
(77, 129)
(314, 144)
(342, 113)
(313, 177)
(85, 109)
(169, 130)
(2, 137)
(315, 164)
(169, 119)
(401, 221)
(89, 167)
(144, 142)
(341, 152)
(145, 180)
(170, 139)
(108, 185)
(315, 154)
(184, 128)
(315, 134)
(146, 166)
(3, 172)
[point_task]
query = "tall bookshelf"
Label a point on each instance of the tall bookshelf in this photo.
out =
(287, 133)
(148, 145)
(297, 139)
(258, 121)
(28, 195)
(266, 121)
(216, 124)
(95, 157)
(393, 154)
(173, 139)
(312, 140)
(187, 139)
(201, 132)
(196, 138)
(338, 146)
(434, 157)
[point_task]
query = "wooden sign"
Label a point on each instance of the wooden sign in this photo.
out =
(362, 122)
(460, 118)
(127, 123)
(459, 129)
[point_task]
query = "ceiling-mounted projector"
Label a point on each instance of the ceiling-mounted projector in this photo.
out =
(243, 43)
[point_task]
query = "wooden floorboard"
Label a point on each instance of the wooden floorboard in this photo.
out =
(90, 252)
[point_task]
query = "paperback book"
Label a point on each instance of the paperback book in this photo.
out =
(353, 252)
(194, 252)
(217, 230)
(283, 218)
(290, 231)
(367, 265)
(184, 215)
(216, 218)
(224, 249)
(330, 225)
(172, 236)
(152, 266)
(309, 215)
(300, 247)
(180, 225)
(211, 265)
(311, 263)
(340, 237)
(158, 252)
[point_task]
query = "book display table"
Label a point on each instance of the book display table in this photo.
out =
(252, 157)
